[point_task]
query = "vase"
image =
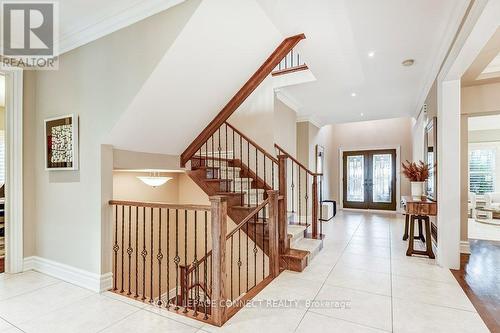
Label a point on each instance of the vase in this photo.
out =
(417, 189)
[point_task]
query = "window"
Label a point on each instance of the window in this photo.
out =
(482, 169)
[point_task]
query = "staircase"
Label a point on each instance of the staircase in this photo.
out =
(201, 266)
(233, 165)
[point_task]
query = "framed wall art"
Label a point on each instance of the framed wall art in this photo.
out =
(61, 143)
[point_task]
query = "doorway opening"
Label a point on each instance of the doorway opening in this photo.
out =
(369, 179)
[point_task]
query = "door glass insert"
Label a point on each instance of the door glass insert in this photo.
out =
(382, 178)
(356, 178)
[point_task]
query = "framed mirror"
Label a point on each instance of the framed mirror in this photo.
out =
(430, 152)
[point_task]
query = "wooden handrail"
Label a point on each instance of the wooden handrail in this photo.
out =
(264, 70)
(248, 218)
(262, 150)
(296, 162)
(159, 205)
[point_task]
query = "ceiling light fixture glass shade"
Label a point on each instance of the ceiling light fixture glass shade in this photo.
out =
(154, 180)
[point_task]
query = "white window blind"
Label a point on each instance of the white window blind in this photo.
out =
(482, 170)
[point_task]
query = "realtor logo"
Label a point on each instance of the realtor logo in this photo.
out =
(29, 30)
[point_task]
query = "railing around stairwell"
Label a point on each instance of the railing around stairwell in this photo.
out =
(249, 170)
(292, 62)
(152, 242)
(303, 194)
(183, 259)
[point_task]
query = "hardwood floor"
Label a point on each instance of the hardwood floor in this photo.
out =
(479, 276)
(2, 265)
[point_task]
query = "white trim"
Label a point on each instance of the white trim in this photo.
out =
(70, 274)
(14, 169)
(312, 119)
(113, 22)
(398, 173)
(287, 100)
(465, 247)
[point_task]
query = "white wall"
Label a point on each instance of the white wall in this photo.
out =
(220, 48)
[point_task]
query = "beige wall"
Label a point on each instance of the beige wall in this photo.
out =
(285, 127)
(126, 186)
(366, 135)
(97, 82)
(482, 99)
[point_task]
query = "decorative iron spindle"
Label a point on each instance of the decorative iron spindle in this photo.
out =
(159, 257)
(123, 246)
(151, 240)
(185, 296)
(115, 249)
(144, 253)
(129, 248)
(136, 252)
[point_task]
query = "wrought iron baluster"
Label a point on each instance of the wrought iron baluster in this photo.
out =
(136, 252)
(177, 260)
(241, 160)
(185, 297)
(292, 187)
(239, 262)
(159, 257)
(122, 247)
(115, 250)
(300, 197)
(195, 264)
(151, 298)
(129, 248)
(306, 196)
(144, 253)
(248, 173)
(255, 252)
(205, 269)
(231, 268)
(227, 157)
(168, 258)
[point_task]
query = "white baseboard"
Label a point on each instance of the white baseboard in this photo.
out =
(70, 274)
(465, 247)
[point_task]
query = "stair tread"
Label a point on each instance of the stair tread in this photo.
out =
(308, 244)
(296, 253)
(217, 180)
(295, 230)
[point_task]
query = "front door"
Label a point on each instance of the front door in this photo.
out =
(369, 180)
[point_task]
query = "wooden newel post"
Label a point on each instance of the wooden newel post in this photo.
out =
(272, 223)
(315, 207)
(219, 231)
(282, 218)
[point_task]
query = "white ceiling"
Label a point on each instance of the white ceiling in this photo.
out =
(82, 21)
(341, 33)
(484, 123)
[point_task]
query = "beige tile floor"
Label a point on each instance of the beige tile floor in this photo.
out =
(361, 282)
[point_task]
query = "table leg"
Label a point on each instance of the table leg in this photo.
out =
(420, 229)
(407, 223)
(430, 253)
(409, 252)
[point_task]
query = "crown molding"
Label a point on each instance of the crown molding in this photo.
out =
(288, 100)
(113, 22)
(312, 119)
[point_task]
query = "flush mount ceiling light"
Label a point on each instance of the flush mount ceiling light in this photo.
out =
(154, 179)
(362, 114)
(408, 62)
(371, 54)
(353, 94)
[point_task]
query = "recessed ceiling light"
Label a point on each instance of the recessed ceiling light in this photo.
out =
(408, 62)
(371, 54)
(362, 114)
(353, 94)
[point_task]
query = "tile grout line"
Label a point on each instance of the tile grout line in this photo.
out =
(330, 272)
(349, 321)
(12, 324)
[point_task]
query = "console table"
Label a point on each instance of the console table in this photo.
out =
(418, 209)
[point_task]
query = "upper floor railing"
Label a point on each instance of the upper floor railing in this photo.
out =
(292, 62)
